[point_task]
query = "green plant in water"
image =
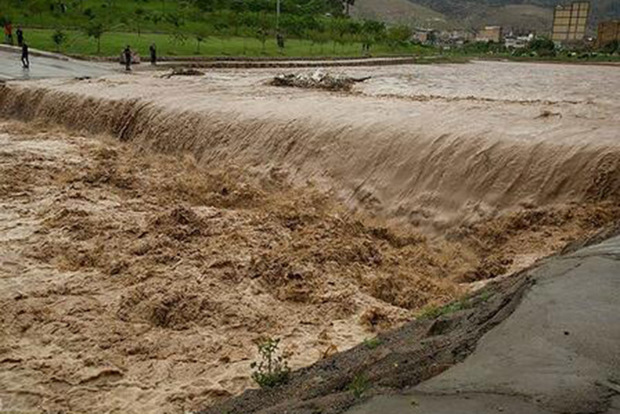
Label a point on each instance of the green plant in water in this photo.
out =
(272, 370)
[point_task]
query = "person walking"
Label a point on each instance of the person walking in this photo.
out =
(128, 58)
(20, 36)
(153, 52)
(25, 57)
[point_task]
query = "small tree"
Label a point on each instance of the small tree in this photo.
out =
(139, 15)
(38, 8)
(272, 370)
(155, 17)
(339, 30)
(200, 35)
(319, 37)
(175, 19)
(89, 14)
(359, 385)
(398, 36)
(58, 38)
(95, 30)
(261, 35)
(178, 38)
(542, 46)
(221, 28)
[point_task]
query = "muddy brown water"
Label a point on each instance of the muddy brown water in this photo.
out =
(137, 275)
(431, 145)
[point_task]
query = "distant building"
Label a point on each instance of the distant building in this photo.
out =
(570, 22)
(459, 37)
(490, 34)
(517, 42)
(425, 36)
(607, 33)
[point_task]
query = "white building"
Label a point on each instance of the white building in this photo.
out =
(518, 42)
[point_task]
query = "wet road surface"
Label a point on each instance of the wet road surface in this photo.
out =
(46, 67)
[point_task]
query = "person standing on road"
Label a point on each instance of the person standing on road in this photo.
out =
(25, 58)
(20, 36)
(153, 52)
(128, 58)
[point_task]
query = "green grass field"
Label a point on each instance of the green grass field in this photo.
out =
(112, 43)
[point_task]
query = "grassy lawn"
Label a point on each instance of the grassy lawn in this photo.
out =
(112, 43)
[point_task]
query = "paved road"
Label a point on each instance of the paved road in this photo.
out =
(44, 67)
(559, 352)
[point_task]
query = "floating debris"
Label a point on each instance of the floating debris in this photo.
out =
(183, 72)
(318, 80)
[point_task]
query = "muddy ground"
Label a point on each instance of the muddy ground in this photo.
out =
(135, 282)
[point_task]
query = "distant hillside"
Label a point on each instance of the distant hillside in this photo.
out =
(518, 14)
(400, 11)
(519, 17)
(463, 8)
(507, 10)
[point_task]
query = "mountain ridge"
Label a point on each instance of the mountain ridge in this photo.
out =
(536, 15)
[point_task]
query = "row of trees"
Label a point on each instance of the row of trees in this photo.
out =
(541, 47)
(296, 7)
(320, 32)
(74, 10)
(321, 21)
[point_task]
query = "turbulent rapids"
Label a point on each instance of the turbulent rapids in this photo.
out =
(163, 225)
(426, 162)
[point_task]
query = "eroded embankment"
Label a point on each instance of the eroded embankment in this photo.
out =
(425, 171)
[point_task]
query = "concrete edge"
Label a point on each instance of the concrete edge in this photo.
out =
(33, 52)
(239, 58)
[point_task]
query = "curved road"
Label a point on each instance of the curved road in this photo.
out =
(45, 67)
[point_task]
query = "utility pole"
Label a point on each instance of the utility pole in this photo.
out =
(278, 14)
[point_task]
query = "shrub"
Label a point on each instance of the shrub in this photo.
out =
(372, 343)
(272, 370)
(359, 385)
(59, 38)
(542, 46)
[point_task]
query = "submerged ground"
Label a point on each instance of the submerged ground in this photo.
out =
(137, 275)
